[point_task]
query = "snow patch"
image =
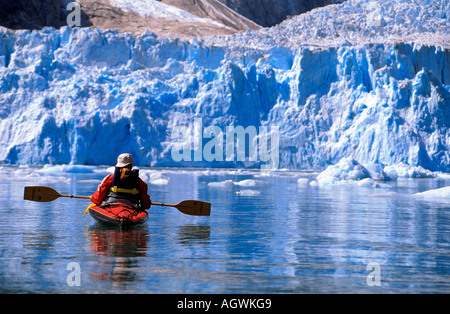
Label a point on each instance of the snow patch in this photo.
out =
(155, 9)
(151, 8)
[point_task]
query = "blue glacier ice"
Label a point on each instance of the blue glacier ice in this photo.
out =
(81, 96)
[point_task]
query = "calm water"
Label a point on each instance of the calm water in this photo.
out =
(275, 237)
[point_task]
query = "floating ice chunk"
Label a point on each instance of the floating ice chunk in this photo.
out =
(443, 175)
(50, 169)
(250, 182)
(52, 179)
(153, 177)
(388, 194)
(248, 193)
(221, 184)
(160, 181)
(302, 182)
(367, 182)
(407, 171)
(347, 169)
(37, 178)
(435, 194)
(110, 169)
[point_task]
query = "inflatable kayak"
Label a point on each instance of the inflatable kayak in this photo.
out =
(118, 215)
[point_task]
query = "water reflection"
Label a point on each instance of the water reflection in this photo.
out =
(193, 234)
(119, 251)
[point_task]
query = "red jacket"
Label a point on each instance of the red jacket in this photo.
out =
(104, 187)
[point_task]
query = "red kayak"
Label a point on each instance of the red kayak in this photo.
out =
(118, 215)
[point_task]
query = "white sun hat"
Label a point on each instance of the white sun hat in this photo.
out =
(124, 160)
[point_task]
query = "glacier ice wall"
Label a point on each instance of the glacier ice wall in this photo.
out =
(82, 96)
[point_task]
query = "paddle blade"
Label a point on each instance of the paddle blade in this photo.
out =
(40, 194)
(194, 208)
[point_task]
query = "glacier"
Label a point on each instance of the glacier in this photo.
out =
(82, 96)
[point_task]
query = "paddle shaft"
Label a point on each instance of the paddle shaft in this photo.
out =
(76, 196)
(88, 197)
(163, 204)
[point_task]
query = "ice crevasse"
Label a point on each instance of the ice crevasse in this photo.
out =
(82, 96)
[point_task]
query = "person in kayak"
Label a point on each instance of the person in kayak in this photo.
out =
(124, 186)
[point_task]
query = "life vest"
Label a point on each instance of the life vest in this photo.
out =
(129, 190)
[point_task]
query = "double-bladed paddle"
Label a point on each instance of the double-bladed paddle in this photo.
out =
(46, 194)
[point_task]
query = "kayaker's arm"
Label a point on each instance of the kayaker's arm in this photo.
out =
(146, 203)
(102, 190)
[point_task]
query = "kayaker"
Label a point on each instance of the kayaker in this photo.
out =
(124, 186)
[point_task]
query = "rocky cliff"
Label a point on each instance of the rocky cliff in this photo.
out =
(31, 14)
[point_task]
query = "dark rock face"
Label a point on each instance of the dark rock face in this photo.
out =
(271, 12)
(31, 14)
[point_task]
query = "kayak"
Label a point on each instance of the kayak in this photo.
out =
(118, 215)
